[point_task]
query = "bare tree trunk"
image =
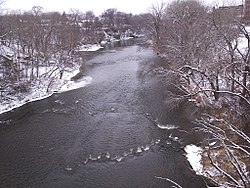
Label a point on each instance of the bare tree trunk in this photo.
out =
(244, 81)
(216, 94)
(37, 67)
(233, 76)
(217, 86)
(32, 70)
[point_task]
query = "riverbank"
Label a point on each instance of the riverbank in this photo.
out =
(44, 88)
(90, 131)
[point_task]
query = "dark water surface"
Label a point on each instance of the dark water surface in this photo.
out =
(101, 135)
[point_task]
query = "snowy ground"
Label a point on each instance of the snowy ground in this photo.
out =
(96, 47)
(45, 87)
(39, 90)
(111, 39)
(243, 42)
(89, 48)
(194, 158)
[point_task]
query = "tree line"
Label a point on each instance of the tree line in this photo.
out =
(33, 40)
(202, 48)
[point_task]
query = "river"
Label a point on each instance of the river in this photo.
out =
(103, 135)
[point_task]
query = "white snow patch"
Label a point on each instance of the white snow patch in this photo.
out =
(168, 127)
(194, 157)
(243, 42)
(126, 38)
(71, 85)
(4, 50)
(89, 48)
(212, 144)
(39, 90)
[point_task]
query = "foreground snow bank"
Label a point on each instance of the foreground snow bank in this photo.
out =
(194, 158)
(44, 88)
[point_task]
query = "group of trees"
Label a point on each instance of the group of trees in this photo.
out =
(203, 46)
(33, 41)
(209, 50)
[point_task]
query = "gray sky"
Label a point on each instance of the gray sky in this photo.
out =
(98, 6)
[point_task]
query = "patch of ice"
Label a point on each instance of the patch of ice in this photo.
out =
(89, 48)
(194, 157)
(168, 127)
(71, 85)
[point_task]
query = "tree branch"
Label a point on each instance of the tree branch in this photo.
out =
(167, 179)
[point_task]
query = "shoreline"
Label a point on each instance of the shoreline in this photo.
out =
(39, 90)
(37, 96)
(60, 85)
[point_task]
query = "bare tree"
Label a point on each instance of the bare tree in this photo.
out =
(202, 47)
(109, 17)
(155, 20)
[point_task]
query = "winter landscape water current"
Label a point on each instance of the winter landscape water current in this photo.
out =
(114, 132)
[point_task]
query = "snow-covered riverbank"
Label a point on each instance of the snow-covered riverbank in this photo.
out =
(39, 90)
(45, 87)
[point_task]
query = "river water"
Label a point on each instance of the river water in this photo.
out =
(103, 135)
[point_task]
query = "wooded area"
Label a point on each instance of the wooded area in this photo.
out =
(207, 50)
(38, 44)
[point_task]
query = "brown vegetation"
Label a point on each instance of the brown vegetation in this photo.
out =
(203, 47)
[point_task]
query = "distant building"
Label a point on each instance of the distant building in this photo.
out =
(246, 11)
(240, 12)
(236, 11)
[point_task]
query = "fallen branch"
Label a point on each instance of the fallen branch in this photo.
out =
(167, 179)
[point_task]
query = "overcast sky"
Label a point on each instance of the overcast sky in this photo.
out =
(98, 6)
